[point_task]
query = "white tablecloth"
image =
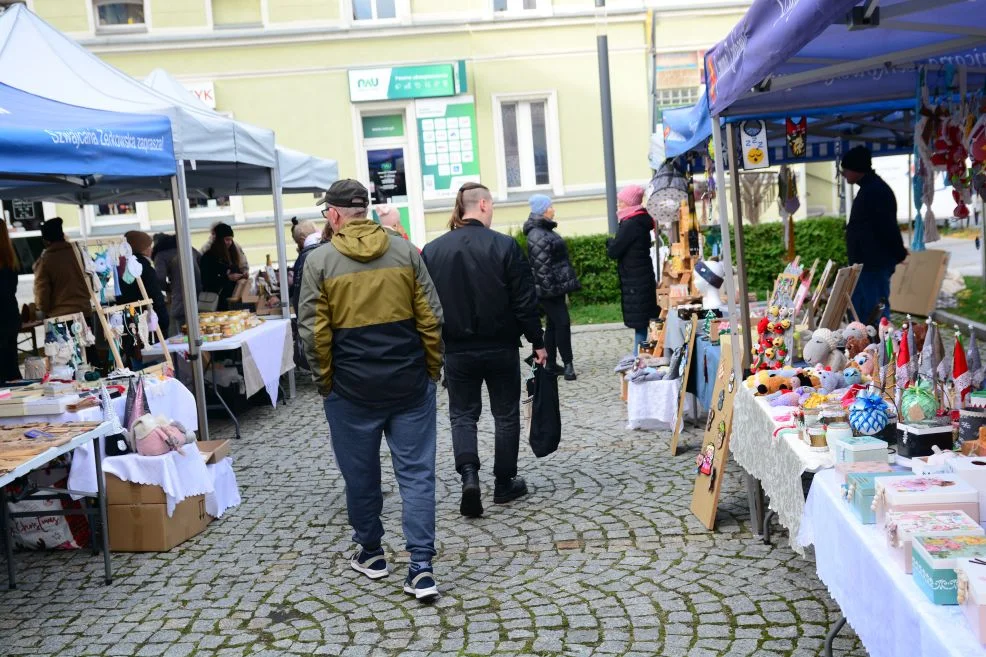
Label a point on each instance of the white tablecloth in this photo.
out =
(226, 492)
(882, 603)
(653, 405)
(267, 354)
(777, 462)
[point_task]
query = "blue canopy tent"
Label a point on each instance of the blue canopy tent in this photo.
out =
(44, 142)
(835, 57)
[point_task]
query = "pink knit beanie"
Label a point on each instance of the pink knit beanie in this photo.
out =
(631, 195)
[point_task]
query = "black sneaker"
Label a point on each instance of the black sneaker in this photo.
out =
(508, 490)
(570, 372)
(421, 584)
(371, 563)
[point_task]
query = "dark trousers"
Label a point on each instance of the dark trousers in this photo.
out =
(557, 329)
(465, 374)
(872, 287)
(9, 371)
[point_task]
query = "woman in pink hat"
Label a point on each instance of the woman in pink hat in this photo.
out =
(631, 249)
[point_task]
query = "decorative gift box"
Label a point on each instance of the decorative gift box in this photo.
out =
(853, 449)
(971, 594)
(971, 470)
(902, 526)
(917, 438)
(860, 490)
(844, 469)
(935, 559)
(930, 493)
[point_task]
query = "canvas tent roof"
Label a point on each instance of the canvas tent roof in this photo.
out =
(37, 58)
(784, 56)
(42, 139)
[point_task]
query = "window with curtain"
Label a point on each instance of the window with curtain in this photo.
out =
(514, 5)
(117, 14)
(525, 132)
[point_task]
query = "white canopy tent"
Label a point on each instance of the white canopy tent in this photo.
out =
(214, 153)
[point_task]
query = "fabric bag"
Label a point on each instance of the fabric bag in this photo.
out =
(545, 423)
(134, 408)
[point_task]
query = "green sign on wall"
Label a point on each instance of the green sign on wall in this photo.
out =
(447, 139)
(389, 125)
(399, 82)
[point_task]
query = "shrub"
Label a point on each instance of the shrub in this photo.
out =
(822, 238)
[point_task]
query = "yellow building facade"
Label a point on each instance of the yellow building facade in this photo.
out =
(412, 97)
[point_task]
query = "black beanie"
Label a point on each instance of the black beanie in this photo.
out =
(51, 230)
(858, 159)
(223, 230)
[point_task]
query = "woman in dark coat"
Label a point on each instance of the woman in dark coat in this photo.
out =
(554, 278)
(631, 249)
(142, 246)
(10, 315)
(220, 266)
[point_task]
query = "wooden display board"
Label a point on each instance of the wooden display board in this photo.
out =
(840, 300)
(103, 314)
(686, 363)
(714, 452)
(917, 281)
(813, 305)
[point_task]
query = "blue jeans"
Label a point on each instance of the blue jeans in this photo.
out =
(873, 286)
(356, 431)
(639, 335)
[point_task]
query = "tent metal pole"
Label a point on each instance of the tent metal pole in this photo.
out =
(744, 300)
(282, 257)
(179, 202)
(727, 251)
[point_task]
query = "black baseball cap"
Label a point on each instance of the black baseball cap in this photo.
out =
(346, 193)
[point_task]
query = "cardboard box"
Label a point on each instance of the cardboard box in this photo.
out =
(214, 451)
(147, 527)
(126, 492)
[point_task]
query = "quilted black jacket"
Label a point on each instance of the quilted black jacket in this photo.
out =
(554, 275)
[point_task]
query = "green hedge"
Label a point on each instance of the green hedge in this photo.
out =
(822, 238)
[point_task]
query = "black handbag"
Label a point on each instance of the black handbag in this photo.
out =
(545, 434)
(116, 445)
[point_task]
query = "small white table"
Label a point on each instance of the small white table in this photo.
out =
(42, 459)
(267, 354)
(890, 614)
(776, 461)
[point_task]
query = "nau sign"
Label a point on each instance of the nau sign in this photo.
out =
(399, 82)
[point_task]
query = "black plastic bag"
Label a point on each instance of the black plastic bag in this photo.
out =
(545, 412)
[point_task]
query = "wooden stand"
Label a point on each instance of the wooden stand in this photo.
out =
(840, 300)
(104, 313)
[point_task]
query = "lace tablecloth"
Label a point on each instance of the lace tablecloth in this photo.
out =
(882, 603)
(777, 461)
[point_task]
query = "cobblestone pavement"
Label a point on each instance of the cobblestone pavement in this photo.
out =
(603, 558)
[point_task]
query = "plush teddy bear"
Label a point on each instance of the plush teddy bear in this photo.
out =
(767, 382)
(823, 350)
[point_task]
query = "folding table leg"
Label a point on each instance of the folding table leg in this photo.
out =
(8, 548)
(101, 498)
(215, 390)
(770, 515)
(830, 637)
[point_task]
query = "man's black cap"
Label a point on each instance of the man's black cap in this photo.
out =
(347, 193)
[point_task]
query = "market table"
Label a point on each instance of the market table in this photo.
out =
(40, 460)
(653, 405)
(267, 354)
(776, 461)
(890, 614)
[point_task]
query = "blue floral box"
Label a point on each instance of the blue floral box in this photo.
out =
(934, 561)
(860, 489)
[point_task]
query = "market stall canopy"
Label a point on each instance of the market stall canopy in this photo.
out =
(886, 128)
(786, 55)
(37, 58)
(43, 140)
(299, 171)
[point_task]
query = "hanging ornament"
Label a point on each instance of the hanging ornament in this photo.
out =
(961, 376)
(797, 137)
(903, 361)
(868, 413)
(753, 138)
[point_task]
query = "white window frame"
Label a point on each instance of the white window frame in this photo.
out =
(119, 29)
(401, 7)
(90, 220)
(515, 8)
(550, 99)
(694, 93)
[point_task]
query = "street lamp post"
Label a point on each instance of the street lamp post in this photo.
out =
(606, 101)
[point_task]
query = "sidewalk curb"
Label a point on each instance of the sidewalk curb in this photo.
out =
(596, 328)
(946, 317)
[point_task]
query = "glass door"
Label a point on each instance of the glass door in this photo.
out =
(388, 180)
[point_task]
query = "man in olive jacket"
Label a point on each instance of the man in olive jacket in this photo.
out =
(370, 319)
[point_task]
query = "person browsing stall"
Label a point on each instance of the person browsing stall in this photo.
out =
(220, 266)
(59, 284)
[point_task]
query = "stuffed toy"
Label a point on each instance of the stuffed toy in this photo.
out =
(832, 380)
(157, 435)
(794, 397)
(823, 350)
(852, 376)
(766, 382)
(855, 330)
(867, 360)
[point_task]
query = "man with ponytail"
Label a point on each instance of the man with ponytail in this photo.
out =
(487, 294)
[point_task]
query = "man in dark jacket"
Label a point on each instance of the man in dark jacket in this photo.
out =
(873, 237)
(488, 297)
(370, 319)
(554, 278)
